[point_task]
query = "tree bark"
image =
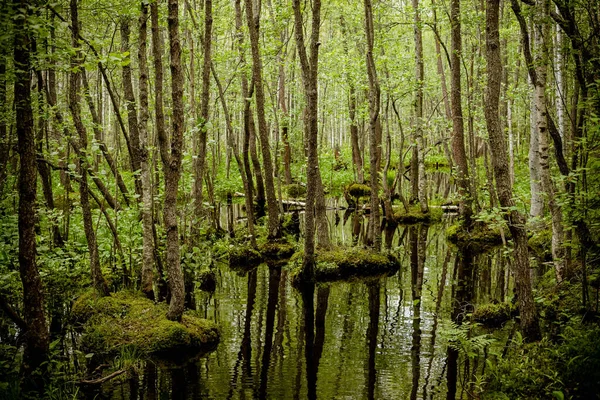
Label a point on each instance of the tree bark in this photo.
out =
(516, 221)
(80, 146)
(374, 143)
(274, 228)
(419, 77)
(132, 120)
(458, 140)
(200, 160)
(147, 236)
(36, 335)
(309, 64)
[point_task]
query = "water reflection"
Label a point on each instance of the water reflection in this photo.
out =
(358, 339)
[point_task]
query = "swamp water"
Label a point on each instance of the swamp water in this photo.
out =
(383, 338)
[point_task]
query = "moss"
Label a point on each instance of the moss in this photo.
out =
(479, 239)
(494, 314)
(415, 215)
(358, 190)
(277, 250)
(295, 190)
(541, 244)
(244, 257)
(128, 319)
(343, 263)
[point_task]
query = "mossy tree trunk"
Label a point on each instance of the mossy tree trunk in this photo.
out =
(36, 333)
(499, 155)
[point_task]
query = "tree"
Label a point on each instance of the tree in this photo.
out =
(374, 143)
(36, 329)
(253, 21)
(458, 136)
(516, 221)
(309, 79)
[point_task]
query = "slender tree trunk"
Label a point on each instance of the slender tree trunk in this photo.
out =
(419, 77)
(36, 336)
(274, 228)
(458, 140)
(200, 160)
(356, 153)
(309, 64)
(516, 221)
(98, 137)
(132, 120)
(542, 31)
(374, 101)
(147, 236)
(80, 147)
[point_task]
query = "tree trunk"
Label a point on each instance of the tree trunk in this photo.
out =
(309, 64)
(374, 144)
(542, 31)
(274, 228)
(200, 160)
(132, 121)
(36, 335)
(458, 140)
(516, 221)
(147, 236)
(80, 147)
(419, 77)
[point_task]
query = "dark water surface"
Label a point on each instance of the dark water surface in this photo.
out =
(375, 339)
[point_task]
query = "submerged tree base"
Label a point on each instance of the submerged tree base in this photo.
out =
(244, 257)
(129, 320)
(478, 240)
(343, 264)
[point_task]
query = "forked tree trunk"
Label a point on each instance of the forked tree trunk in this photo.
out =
(516, 221)
(36, 334)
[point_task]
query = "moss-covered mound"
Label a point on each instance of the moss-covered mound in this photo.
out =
(128, 319)
(415, 215)
(244, 257)
(207, 279)
(541, 244)
(479, 239)
(295, 190)
(358, 190)
(494, 314)
(277, 250)
(342, 264)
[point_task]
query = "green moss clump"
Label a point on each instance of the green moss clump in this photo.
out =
(277, 250)
(358, 190)
(207, 279)
(295, 190)
(415, 215)
(244, 256)
(541, 244)
(494, 314)
(479, 239)
(128, 319)
(341, 264)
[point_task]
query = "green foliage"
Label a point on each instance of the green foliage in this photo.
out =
(128, 319)
(541, 244)
(568, 368)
